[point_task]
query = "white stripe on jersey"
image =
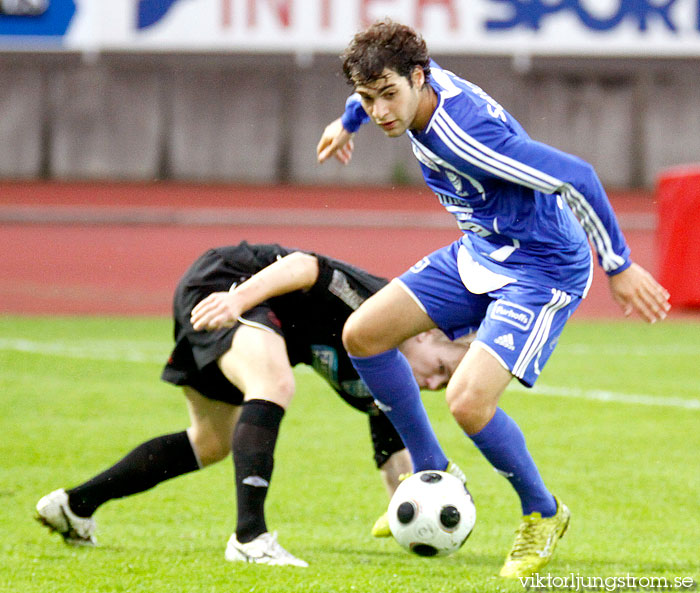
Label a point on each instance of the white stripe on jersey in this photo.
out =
(472, 159)
(431, 157)
(471, 150)
(540, 331)
(593, 226)
(480, 155)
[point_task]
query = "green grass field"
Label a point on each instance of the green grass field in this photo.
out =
(614, 426)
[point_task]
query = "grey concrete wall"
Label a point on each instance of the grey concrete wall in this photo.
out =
(257, 118)
(105, 122)
(672, 122)
(22, 108)
(224, 124)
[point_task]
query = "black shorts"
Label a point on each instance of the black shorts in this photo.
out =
(193, 361)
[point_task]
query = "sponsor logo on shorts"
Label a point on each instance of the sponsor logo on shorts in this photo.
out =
(516, 315)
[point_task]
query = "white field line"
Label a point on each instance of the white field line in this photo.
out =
(156, 353)
(108, 350)
(641, 351)
(609, 396)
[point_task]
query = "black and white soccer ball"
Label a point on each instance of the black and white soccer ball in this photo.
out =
(431, 513)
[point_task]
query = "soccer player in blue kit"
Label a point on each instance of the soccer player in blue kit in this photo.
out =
(518, 272)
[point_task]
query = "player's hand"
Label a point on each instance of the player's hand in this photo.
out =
(335, 141)
(635, 289)
(214, 312)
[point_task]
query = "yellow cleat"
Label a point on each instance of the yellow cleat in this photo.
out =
(535, 541)
(381, 525)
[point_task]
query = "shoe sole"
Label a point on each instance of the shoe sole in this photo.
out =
(76, 542)
(265, 561)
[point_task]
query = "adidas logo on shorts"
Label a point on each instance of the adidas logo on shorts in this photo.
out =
(506, 340)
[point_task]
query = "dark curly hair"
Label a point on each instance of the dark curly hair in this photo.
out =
(385, 44)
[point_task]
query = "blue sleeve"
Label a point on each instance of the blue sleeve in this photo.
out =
(354, 115)
(578, 184)
(505, 152)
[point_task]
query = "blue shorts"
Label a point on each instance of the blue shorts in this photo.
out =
(518, 321)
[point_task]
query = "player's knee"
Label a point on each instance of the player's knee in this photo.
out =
(277, 387)
(283, 389)
(358, 339)
(351, 341)
(471, 406)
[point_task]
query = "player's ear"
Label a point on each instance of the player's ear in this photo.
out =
(418, 76)
(428, 334)
(421, 337)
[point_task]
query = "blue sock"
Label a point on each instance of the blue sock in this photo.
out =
(390, 379)
(502, 442)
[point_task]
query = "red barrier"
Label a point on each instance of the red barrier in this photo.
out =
(678, 204)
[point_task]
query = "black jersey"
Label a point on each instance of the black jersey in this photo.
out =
(311, 323)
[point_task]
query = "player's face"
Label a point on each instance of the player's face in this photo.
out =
(433, 359)
(392, 101)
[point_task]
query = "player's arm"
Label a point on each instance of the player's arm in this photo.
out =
(336, 139)
(518, 159)
(552, 171)
(575, 180)
(635, 289)
(296, 271)
(491, 146)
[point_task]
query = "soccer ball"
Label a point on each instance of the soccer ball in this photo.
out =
(431, 513)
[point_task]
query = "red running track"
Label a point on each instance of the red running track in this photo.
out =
(103, 266)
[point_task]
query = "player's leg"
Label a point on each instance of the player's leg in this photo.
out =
(384, 321)
(371, 336)
(161, 458)
(516, 338)
(396, 466)
(472, 395)
(165, 457)
(393, 461)
(258, 364)
(211, 426)
(430, 294)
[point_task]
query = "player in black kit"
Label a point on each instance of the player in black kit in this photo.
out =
(244, 316)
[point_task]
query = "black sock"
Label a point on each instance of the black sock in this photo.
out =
(253, 456)
(149, 464)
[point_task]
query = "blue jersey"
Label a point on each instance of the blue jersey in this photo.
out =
(527, 210)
